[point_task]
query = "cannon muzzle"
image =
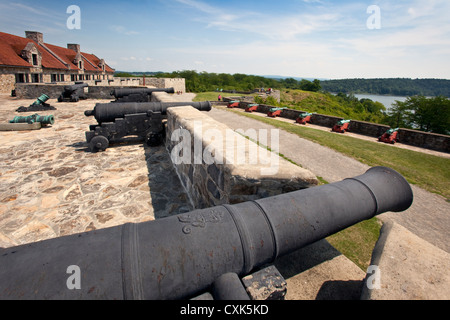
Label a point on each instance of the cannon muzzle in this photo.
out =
(109, 112)
(181, 256)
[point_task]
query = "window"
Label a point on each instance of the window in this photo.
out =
(35, 60)
(20, 78)
(35, 77)
(54, 77)
(72, 77)
(81, 65)
(62, 77)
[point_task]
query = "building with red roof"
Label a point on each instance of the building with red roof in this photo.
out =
(30, 60)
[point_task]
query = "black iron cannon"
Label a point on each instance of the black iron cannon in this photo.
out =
(182, 256)
(117, 120)
(73, 93)
(137, 94)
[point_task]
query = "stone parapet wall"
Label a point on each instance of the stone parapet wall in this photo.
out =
(416, 138)
(217, 165)
(223, 180)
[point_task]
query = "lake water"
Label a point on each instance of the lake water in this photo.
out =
(387, 101)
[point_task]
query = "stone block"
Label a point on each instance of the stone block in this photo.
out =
(266, 284)
(408, 267)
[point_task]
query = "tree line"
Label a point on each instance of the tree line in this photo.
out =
(206, 82)
(395, 87)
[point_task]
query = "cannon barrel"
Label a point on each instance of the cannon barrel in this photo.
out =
(181, 256)
(75, 87)
(108, 112)
(41, 100)
(44, 120)
(122, 92)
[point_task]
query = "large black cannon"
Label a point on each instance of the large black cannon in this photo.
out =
(137, 94)
(181, 256)
(73, 93)
(117, 120)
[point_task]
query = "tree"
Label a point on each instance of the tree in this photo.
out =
(398, 115)
(419, 112)
(430, 115)
(313, 86)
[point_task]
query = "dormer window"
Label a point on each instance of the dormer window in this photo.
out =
(35, 59)
(80, 65)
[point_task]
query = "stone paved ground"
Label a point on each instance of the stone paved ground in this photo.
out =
(51, 186)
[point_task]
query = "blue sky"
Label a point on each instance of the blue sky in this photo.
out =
(299, 38)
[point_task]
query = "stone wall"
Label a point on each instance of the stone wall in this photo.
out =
(99, 91)
(7, 82)
(179, 84)
(211, 171)
(416, 138)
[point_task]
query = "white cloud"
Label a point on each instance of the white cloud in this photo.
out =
(267, 25)
(123, 30)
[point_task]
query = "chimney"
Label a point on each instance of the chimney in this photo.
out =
(74, 47)
(36, 36)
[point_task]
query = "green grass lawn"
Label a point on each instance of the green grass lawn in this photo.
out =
(429, 172)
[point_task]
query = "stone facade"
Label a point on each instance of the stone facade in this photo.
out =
(7, 82)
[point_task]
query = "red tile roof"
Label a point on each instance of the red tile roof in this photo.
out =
(11, 47)
(96, 61)
(67, 55)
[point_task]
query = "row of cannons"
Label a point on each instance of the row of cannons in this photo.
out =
(341, 126)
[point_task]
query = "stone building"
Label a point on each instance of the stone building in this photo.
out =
(30, 60)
